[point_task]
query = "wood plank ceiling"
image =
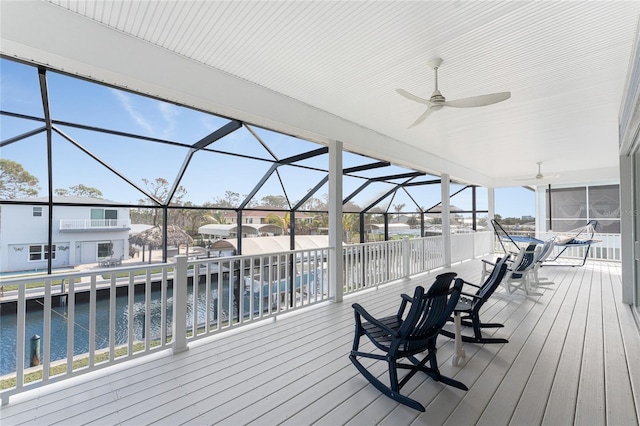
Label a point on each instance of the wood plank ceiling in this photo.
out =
(565, 63)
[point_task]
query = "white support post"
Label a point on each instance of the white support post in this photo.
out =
(491, 200)
(446, 221)
(406, 257)
(180, 304)
(336, 259)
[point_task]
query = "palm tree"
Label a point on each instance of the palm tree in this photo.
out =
(398, 208)
(350, 223)
(282, 222)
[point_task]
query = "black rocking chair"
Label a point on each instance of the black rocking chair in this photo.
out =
(404, 338)
(469, 306)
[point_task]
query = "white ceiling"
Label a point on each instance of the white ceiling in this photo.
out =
(565, 64)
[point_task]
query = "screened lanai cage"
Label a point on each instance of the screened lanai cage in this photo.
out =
(87, 165)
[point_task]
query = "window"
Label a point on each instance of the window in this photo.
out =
(41, 252)
(572, 208)
(104, 250)
(37, 211)
(35, 252)
(104, 214)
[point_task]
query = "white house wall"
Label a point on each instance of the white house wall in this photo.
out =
(19, 229)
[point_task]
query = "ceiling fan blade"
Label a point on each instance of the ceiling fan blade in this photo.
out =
(539, 178)
(414, 97)
(478, 101)
(422, 117)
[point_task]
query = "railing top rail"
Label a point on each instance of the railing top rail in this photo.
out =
(80, 274)
(246, 256)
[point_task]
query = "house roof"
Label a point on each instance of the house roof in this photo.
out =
(68, 199)
(265, 213)
(261, 245)
(224, 230)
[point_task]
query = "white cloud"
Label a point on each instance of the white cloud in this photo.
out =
(135, 115)
(168, 113)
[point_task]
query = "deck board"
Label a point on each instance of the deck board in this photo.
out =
(619, 400)
(590, 404)
(572, 358)
(533, 400)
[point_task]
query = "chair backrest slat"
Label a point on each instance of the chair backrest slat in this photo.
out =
(434, 305)
(493, 281)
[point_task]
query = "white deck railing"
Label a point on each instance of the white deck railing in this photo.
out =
(607, 247)
(105, 316)
(131, 311)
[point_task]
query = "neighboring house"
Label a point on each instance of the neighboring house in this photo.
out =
(259, 217)
(228, 230)
(80, 234)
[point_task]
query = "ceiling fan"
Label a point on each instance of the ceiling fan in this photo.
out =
(539, 176)
(437, 101)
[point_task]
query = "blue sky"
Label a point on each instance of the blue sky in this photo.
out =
(209, 174)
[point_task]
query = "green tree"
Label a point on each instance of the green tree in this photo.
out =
(160, 189)
(215, 216)
(80, 190)
(413, 221)
(275, 201)
(15, 181)
(282, 222)
(230, 199)
(350, 225)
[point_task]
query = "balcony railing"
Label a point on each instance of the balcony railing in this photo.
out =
(112, 315)
(94, 224)
(607, 247)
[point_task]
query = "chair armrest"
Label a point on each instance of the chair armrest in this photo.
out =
(462, 293)
(471, 284)
(359, 310)
(407, 297)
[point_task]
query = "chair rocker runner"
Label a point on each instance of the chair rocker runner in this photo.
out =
(399, 338)
(469, 306)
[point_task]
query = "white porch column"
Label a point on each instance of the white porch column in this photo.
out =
(628, 221)
(491, 200)
(336, 259)
(180, 298)
(446, 222)
(491, 214)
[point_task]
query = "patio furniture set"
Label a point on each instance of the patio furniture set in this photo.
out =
(412, 332)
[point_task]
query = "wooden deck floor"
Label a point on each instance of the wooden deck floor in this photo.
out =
(573, 358)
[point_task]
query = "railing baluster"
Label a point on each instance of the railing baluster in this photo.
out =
(195, 289)
(163, 303)
(220, 297)
(46, 332)
(71, 320)
(112, 318)
(207, 284)
(20, 335)
(130, 314)
(147, 311)
(92, 322)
